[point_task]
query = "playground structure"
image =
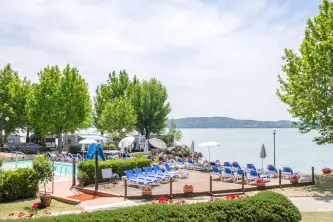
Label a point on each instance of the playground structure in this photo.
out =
(91, 152)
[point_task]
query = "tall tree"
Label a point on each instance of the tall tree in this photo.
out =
(13, 93)
(118, 115)
(60, 102)
(118, 86)
(308, 88)
(151, 106)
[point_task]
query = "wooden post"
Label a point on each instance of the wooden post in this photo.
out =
(211, 185)
(73, 173)
(313, 176)
(96, 171)
(243, 182)
(170, 187)
(280, 177)
(125, 189)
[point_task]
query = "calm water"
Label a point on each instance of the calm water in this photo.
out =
(243, 145)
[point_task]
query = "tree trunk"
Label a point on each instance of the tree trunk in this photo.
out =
(147, 134)
(60, 142)
(27, 139)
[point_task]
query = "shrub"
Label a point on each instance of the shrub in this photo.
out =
(44, 169)
(265, 207)
(18, 184)
(117, 166)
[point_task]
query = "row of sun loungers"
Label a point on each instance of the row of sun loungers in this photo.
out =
(153, 176)
(64, 158)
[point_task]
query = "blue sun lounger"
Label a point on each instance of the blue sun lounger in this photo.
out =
(134, 180)
(149, 172)
(159, 171)
(287, 172)
(217, 172)
(139, 174)
(227, 174)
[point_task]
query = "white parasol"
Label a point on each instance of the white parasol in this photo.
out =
(208, 145)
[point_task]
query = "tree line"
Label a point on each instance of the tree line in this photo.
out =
(60, 103)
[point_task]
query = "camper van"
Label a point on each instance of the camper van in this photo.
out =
(50, 142)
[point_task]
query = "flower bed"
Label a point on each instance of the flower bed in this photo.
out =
(266, 206)
(117, 166)
(326, 170)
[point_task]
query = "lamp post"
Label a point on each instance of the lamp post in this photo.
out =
(274, 132)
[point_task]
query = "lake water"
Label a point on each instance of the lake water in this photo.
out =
(243, 145)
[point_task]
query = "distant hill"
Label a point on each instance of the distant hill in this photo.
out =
(225, 122)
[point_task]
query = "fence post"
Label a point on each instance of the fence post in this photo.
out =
(170, 187)
(74, 173)
(96, 171)
(52, 176)
(243, 182)
(211, 185)
(280, 177)
(125, 189)
(313, 176)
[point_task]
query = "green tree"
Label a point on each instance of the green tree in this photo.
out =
(172, 133)
(118, 86)
(60, 102)
(151, 106)
(13, 93)
(308, 88)
(118, 115)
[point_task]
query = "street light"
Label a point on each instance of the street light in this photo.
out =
(274, 132)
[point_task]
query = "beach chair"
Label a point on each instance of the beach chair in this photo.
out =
(79, 157)
(271, 170)
(251, 176)
(217, 172)
(287, 172)
(227, 165)
(250, 167)
(182, 173)
(235, 166)
(189, 164)
(180, 163)
(238, 175)
(149, 172)
(134, 180)
(159, 171)
(217, 163)
(227, 174)
(70, 157)
(139, 174)
(53, 158)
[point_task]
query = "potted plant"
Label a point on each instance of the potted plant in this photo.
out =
(294, 179)
(261, 182)
(326, 170)
(146, 190)
(188, 188)
(44, 169)
(82, 177)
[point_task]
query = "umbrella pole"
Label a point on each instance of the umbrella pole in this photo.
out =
(262, 164)
(209, 154)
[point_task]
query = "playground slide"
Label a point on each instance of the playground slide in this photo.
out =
(91, 152)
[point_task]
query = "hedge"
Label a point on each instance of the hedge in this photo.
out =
(18, 184)
(117, 166)
(265, 207)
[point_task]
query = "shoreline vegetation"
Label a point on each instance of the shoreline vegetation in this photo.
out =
(225, 122)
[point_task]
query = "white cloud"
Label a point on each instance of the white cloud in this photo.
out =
(217, 58)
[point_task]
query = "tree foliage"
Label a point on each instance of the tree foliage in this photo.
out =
(308, 88)
(172, 134)
(60, 102)
(13, 92)
(117, 115)
(151, 106)
(117, 86)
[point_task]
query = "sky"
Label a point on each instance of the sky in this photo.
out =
(215, 57)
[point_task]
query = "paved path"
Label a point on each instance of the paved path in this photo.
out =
(313, 203)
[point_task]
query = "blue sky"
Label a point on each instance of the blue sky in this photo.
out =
(216, 57)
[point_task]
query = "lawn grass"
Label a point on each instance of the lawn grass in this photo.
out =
(19, 205)
(318, 216)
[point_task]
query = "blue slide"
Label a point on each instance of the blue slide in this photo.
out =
(91, 152)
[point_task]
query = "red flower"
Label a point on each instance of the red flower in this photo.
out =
(11, 214)
(326, 170)
(35, 206)
(31, 215)
(21, 214)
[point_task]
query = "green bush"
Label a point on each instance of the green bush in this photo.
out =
(265, 207)
(118, 166)
(18, 184)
